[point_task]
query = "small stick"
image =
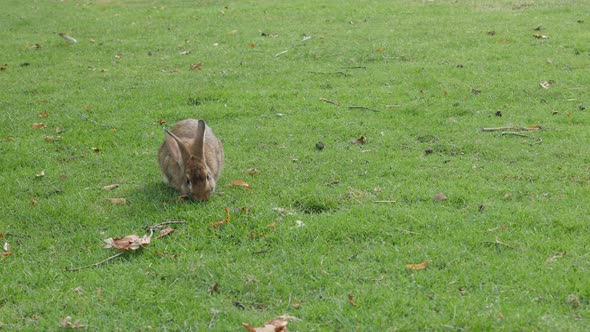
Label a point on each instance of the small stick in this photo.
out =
(515, 134)
(281, 53)
(511, 128)
(97, 263)
(330, 73)
(329, 101)
(362, 108)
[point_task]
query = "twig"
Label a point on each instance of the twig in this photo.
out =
(330, 73)
(362, 108)
(281, 53)
(329, 101)
(97, 263)
(214, 313)
(162, 224)
(511, 128)
(515, 134)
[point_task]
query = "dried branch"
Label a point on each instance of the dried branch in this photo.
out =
(329, 101)
(97, 263)
(362, 108)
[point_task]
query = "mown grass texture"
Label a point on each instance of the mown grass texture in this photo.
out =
(509, 245)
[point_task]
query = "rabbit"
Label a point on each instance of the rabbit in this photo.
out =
(191, 159)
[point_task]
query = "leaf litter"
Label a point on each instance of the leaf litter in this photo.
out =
(278, 324)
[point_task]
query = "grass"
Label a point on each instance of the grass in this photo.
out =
(509, 245)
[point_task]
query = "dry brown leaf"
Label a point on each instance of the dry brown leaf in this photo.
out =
(129, 242)
(49, 139)
(95, 149)
(223, 221)
(111, 186)
(252, 45)
(239, 183)
(67, 323)
(361, 140)
(253, 171)
(351, 300)
(440, 197)
(540, 36)
(43, 114)
(37, 125)
(6, 253)
(214, 289)
(119, 56)
(420, 266)
(197, 66)
(278, 324)
(165, 232)
(117, 200)
(33, 201)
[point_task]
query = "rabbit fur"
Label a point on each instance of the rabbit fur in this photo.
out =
(191, 159)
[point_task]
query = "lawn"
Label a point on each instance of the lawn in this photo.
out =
(375, 200)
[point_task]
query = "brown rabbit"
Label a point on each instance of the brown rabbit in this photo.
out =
(191, 159)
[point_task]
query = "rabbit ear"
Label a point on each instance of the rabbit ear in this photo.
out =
(174, 146)
(199, 150)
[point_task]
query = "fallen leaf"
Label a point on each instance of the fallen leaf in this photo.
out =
(37, 125)
(556, 256)
(420, 266)
(540, 36)
(129, 242)
(380, 49)
(41, 174)
(68, 38)
(95, 149)
(117, 200)
(186, 52)
(36, 46)
(197, 66)
(89, 107)
(33, 201)
(351, 300)
(165, 232)
(161, 121)
(214, 289)
(278, 324)
(119, 56)
(476, 91)
(43, 114)
(6, 246)
(361, 140)
(67, 323)
(223, 221)
(78, 290)
(239, 183)
(252, 45)
(49, 139)
(253, 171)
(6, 253)
(546, 84)
(110, 186)
(440, 197)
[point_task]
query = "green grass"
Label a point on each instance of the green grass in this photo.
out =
(512, 202)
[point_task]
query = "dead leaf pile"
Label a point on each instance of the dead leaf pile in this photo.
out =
(129, 242)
